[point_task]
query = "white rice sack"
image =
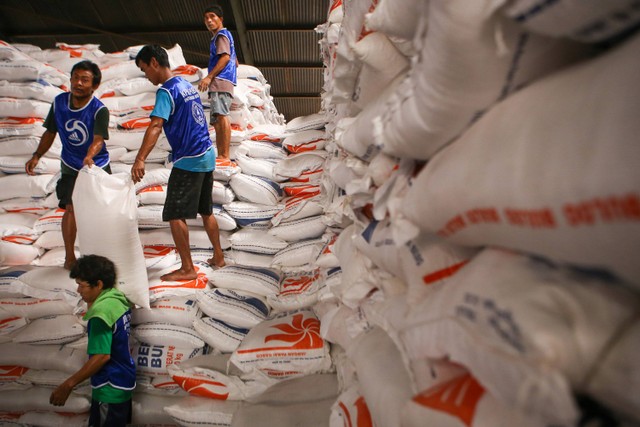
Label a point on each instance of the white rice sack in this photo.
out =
(26, 70)
(10, 326)
(50, 357)
(166, 334)
(152, 178)
(258, 281)
(252, 215)
(592, 218)
(198, 238)
(336, 11)
(18, 145)
(286, 346)
(116, 152)
(302, 138)
(38, 90)
(298, 255)
(152, 360)
(255, 189)
(15, 107)
(135, 86)
(221, 194)
(50, 221)
(250, 72)
(48, 330)
(180, 311)
(219, 335)
(395, 20)
(15, 126)
(236, 308)
(23, 185)
(54, 419)
(46, 282)
(160, 289)
(50, 239)
(215, 385)
(294, 165)
(314, 121)
(148, 409)
(461, 401)
(257, 241)
(350, 407)
(38, 400)
(17, 223)
(263, 150)
(194, 411)
(588, 23)
(299, 229)
(384, 380)
(247, 259)
(270, 132)
(462, 69)
(124, 70)
(53, 257)
(297, 291)
(157, 155)
(327, 258)
(225, 169)
(424, 263)
(160, 257)
(37, 206)
(154, 195)
(298, 207)
(304, 402)
(8, 277)
(33, 308)
(109, 200)
(509, 313)
(131, 139)
(257, 167)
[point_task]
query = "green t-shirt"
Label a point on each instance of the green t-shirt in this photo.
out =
(100, 343)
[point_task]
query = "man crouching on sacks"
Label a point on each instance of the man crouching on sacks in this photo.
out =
(110, 365)
(82, 121)
(178, 110)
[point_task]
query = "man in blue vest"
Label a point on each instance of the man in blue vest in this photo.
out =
(178, 110)
(221, 78)
(82, 122)
(110, 365)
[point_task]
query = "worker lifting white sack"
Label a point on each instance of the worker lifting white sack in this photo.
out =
(106, 217)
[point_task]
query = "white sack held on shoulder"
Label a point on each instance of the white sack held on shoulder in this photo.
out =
(106, 216)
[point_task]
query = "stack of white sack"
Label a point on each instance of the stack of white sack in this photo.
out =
(43, 341)
(410, 236)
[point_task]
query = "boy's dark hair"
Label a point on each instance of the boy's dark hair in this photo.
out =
(153, 51)
(91, 268)
(217, 9)
(92, 68)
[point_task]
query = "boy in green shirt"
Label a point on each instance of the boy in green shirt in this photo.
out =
(110, 365)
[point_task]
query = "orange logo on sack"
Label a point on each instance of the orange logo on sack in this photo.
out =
(304, 335)
(443, 273)
(458, 397)
(198, 387)
(11, 371)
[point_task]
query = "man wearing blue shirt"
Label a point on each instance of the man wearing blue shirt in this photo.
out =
(178, 110)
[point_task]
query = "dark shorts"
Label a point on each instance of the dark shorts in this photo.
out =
(219, 104)
(110, 414)
(188, 194)
(66, 183)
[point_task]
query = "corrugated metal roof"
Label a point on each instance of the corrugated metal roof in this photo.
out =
(279, 34)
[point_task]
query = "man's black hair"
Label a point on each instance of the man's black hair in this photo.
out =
(153, 51)
(92, 68)
(91, 268)
(217, 9)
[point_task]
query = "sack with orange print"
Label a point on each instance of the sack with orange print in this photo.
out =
(287, 346)
(159, 288)
(208, 376)
(298, 290)
(462, 402)
(350, 409)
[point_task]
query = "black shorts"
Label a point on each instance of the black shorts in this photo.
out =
(110, 414)
(188, 194)
(66, 183)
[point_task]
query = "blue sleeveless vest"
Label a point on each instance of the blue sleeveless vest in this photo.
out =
(229, 71)
(120, 370)
(75, 128)
(186, 130)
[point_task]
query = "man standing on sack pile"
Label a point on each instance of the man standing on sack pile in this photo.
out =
(83, 124)
(221, 79)
(178, 110)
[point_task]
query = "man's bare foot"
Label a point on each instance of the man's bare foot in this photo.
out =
(68, 264)
(216, 263)
(179, 275)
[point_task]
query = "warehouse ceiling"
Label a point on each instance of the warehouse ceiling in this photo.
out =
(277, 36)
